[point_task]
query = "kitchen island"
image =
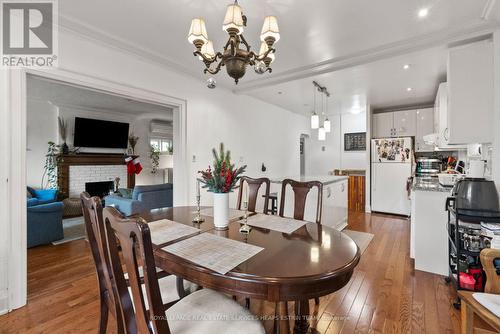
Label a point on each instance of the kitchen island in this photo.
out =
(334, 206)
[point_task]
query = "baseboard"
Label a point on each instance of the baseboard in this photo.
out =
(4, 304)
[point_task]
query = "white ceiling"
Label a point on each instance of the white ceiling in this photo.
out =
(61, 94)
(359, 44)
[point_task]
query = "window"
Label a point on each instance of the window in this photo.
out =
(162, 145)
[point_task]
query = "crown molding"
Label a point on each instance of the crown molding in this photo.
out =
(441, 38)
(82, 29)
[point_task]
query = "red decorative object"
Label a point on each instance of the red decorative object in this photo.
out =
(130, 165)
(137, 166)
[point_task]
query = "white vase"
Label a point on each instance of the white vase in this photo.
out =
(221, 210)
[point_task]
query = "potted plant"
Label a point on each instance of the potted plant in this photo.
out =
(63, 132)
(132, 141)
(52, 159)
(221, 180)
(154, 155)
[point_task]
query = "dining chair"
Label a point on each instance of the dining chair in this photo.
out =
(203, 311)
(481, 304)
(253, 192)
(92, 214)
(301, 190)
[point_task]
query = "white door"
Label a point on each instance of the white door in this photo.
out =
(383, 125)
(405, 123)
(389, 188)
(425, 126)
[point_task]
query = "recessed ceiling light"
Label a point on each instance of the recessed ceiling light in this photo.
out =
(409, 89)
(423, 12)
(406, 66)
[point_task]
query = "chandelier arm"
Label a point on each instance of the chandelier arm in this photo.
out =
(243, 40)
(207, 60)
(216, 70)
(264, 56)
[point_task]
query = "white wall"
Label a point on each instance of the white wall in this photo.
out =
(333, 156)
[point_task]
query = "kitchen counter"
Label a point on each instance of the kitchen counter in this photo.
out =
(350, 172)
(325, 179)
(426, 184)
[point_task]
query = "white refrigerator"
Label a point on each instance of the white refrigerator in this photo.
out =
(392, 163)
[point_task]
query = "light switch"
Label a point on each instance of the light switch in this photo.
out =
(194, 158)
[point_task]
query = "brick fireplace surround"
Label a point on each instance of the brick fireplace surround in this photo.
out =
(77, 169)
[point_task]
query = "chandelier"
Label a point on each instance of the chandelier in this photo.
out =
(236, 54)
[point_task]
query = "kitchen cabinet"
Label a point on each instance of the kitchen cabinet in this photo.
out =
(425, 126)
(470, 110)
(394, 124)
(383, 125)
(357, 193)
(405, 123)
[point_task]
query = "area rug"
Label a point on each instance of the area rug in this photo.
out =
(74, 229)
(362, 239)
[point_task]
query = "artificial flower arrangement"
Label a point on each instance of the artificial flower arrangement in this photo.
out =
(224, 176)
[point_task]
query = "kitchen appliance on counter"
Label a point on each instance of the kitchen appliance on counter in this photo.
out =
(474, 212)
(392, 160)
(428, 167)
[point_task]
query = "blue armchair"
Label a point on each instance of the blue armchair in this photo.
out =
(44, 223)
(144, 198)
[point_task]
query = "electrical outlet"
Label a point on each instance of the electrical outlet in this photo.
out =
(323, 148)
(194, 158)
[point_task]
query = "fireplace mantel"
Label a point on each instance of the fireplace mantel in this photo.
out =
(88, 160)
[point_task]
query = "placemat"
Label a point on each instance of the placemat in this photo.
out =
(275, 223)
(213, 252)
(164, 230)
(233, 213)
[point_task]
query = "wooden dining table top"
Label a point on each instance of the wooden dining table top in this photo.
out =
(311, 256)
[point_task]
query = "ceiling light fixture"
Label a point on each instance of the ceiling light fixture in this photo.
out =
(409, 89)
(236, 54)
(314, 116)
(406, 66)
(321, 134)
(423, 12)
(326, 124)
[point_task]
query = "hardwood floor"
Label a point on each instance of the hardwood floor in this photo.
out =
(385, 294)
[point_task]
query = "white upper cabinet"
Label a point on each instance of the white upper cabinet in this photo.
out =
(470, 94)
(405, 123)
(425, 126)
(383, 125)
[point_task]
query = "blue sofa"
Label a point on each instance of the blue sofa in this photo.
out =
(144, 198)
(44, 217)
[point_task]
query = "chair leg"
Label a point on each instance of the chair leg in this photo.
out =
(316, 301)
(103, 319)
(467, 319)
(247, 303)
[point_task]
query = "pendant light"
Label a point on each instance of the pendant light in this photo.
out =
(314, 116)
(327, 124)
(321, 130)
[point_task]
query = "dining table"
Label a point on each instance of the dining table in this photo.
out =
(313, 261)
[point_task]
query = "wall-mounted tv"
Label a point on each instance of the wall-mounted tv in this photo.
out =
(97, 133)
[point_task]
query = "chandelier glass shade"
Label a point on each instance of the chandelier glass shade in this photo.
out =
(236, 54)
(327, 125)
(314, 121)
(321, 134)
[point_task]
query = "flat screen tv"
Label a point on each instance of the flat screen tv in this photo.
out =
(97, 133)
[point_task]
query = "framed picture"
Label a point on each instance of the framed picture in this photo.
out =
(355, 141)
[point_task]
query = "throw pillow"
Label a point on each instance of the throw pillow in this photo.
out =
(46, 194)
(28, 194)
(125, 193)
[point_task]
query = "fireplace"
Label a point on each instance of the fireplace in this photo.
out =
(99, 189)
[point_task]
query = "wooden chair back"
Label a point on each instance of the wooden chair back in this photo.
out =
(253, 192)
(94, 225)
(134, 238)
(488, 257)
(300, 190)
